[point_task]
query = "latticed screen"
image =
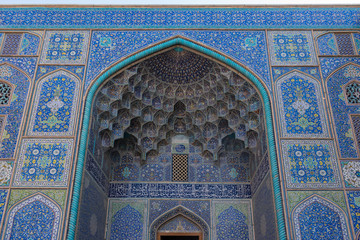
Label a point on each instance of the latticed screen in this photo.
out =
(353, 93)
(180, 168)
(11, 44)
(345, 44)
(356, 123)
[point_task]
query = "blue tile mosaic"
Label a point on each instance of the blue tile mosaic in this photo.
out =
(29, 44)
(232, 225)
(92, 212)
(341, 110)
(208, 173)
(56, 101)
(351, 173)
(127, 224)
(26, 64)
(6, 168)
(357, 42)
(127, 172)
(301, 107)
(327, 44)
(199, 207)
(176, 212)
(247, 47)
(13, 112)
(44, 162)
(152, 172)
(3, 196)
(179, 224)
(317, 218)
(65, 47)
(180, 18)
(264, 211)
(96, 173)
(260, 173)
(46, 69)
(310, 164)
(329, 64)
(280, 71)
(179, 190)
(354, 206)
(291, 48)
(37, 209)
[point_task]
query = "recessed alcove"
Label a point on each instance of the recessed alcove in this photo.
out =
(178, 130)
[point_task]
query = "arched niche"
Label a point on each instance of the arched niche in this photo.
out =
(179, 94)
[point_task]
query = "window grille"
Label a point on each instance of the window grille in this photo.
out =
(180, 168)
(5, 92)
(11, 44)
(353, 92)
(345, 44)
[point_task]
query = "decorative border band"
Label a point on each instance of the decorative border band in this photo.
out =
(189, 18)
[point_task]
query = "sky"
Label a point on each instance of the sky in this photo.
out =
(183, 2)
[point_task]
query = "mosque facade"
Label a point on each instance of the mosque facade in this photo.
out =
(197, 123)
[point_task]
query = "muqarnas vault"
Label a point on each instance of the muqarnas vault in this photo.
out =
(158, 123)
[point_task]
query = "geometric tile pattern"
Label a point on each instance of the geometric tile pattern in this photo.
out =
(13, 110)
(310, 164)
(327, 44)
(5, 172)
(96, 17)
(301, 106)
(341, 109)
(65, 47)
(55, 105)
(280, 71)
(354, 206)
(127, 219)
(179, 190)
(95, 171)
(260, 174)
(351, 173)
(247, 47)
(329, 64)
(291, 48)
(26, 64)
(317, 218)
(36, 209)
(180, 167)
(44, 162)
(357, 42)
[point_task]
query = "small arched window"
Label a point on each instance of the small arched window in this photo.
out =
(352, 91)
(5, 93)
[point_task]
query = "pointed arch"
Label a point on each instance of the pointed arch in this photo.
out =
(310, 210)
(179, 211)
(58, 113)
(307, 103)
(37, 208)
(209, 53)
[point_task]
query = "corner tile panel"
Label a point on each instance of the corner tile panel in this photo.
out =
(44, 163)
(5, 172)
(310, 164)
(354, 206)
(351, 173)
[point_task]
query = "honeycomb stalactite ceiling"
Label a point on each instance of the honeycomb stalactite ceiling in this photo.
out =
(178, 92)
